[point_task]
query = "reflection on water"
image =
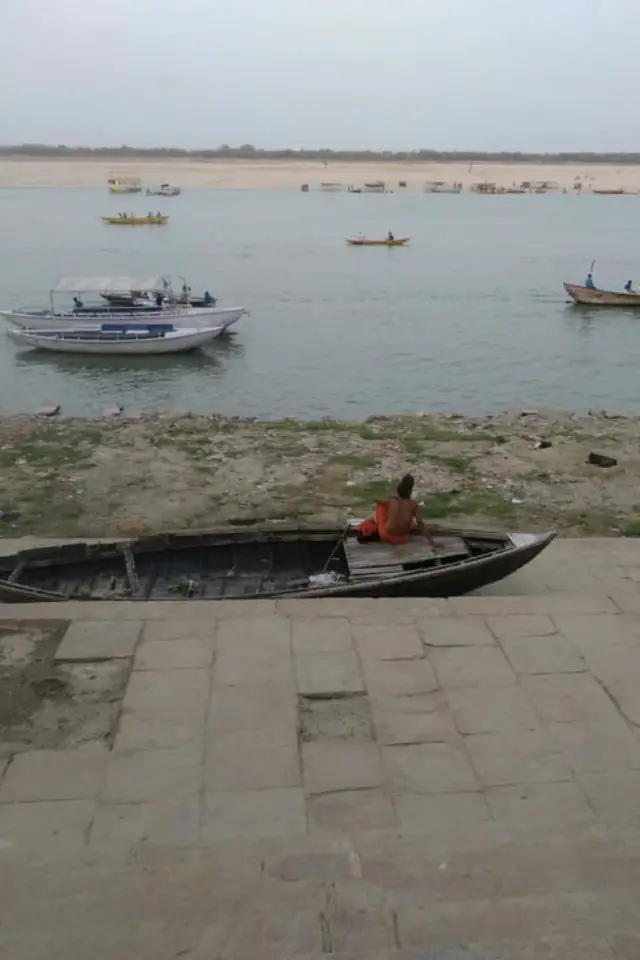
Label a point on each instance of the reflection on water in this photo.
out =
(471, 316)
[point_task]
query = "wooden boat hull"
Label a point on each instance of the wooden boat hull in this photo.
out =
(136, 221)
(593, 297)
(399, 242)
(264, 562)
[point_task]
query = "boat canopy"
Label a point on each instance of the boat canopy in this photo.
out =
(124, 285)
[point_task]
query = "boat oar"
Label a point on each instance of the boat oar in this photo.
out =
(336, 548)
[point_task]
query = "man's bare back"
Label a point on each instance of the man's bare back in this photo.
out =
(402, 514)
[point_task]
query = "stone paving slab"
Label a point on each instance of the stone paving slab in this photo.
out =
(188, 653)
(396, 678)
(326, 673)
(53, 829)
(321, 636)
(340, 765)
(546, 655)
(106, 640)
(124, 826)
(529, 756)
(55, 774)
(170, 776)
(245, 814)
(254, 706)
(251, 760)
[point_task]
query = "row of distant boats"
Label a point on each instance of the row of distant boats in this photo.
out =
(484, 187)
(134, 185)
(128, 315)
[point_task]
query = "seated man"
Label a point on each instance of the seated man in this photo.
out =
(397, 516)
(589, 282)
(628, 286)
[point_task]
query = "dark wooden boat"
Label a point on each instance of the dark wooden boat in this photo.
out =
(243, 564)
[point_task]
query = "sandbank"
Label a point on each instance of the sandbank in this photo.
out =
(292, 174)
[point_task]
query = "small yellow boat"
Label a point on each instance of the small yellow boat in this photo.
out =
(363, 242)
(136, 221)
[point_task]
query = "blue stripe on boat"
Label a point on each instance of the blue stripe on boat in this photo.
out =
(136, 327)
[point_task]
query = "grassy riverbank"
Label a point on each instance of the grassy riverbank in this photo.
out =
(73, 477)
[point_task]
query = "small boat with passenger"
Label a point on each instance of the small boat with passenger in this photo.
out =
(593, 296)
(389, 241)
(264, 562)
(129, 220)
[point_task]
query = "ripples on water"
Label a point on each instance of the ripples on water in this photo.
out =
(471, 317)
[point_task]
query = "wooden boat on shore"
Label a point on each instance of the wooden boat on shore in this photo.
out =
(124, 221)
(363, 242)
(594, 297)
(117, 339)
(265, 562)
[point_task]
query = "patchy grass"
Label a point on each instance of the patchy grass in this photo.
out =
(438, 435)
(51, 448)
(372, 490)
(359, 461)
(414, 449)
(72, 477)
(631, 528)
(307, 426)
(366, 433)
(467, 503)
(455, 464)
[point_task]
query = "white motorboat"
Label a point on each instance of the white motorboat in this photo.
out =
(126, 298)
(117, 339)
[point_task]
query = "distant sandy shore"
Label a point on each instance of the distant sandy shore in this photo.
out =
(292, 174)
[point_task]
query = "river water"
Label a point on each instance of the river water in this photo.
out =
(471, 317)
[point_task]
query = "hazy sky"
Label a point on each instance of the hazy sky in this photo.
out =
(379, 74)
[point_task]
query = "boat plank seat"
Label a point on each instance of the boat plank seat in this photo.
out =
(386, 559)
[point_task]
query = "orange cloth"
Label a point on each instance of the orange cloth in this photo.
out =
(367, 529)
(382, 515)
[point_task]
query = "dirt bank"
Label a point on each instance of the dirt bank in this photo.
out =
(165, 471)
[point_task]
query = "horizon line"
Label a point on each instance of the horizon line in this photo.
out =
(248, 151)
